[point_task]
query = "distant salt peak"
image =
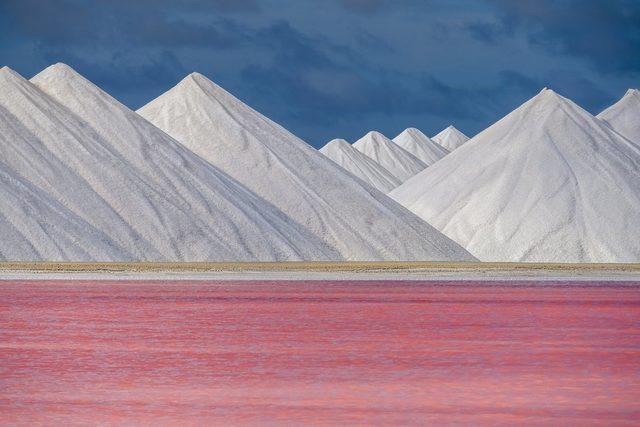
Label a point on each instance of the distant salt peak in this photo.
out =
(632, 92)
(420, 145)
(337, 142)
(450, 138)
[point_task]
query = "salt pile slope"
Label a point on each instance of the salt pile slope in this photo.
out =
(402, 164)
(181, 205)
(359, 221)
(420, 145)
(146, 206)
(450, 138)
(343, 154)
(548, 182)
(34, 227)
(624, 115)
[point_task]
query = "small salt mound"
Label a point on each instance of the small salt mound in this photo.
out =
(420, 145)
(450, 138)
(549, 182)
(342, 153)
(624, 115)
(402, 164)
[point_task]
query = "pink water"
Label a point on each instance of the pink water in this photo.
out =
(196, 353)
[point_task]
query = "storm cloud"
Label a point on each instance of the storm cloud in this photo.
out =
(342, 67)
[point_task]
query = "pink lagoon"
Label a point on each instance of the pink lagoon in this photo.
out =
(319, 352)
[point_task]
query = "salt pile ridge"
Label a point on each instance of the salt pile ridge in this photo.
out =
(343, 154)
(132, 182)
(420, 145)
(548, 182)
(359, 221)
(402, 164)
(624, 115)
(450, 138)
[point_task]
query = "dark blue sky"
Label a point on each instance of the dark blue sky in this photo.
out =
(339, 68)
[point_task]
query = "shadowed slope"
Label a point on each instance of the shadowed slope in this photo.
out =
(185, 208)
(343, 154)
(420, 145)
(402, 164)
(34, 227)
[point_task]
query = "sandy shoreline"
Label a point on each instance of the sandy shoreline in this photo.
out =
(320, 271)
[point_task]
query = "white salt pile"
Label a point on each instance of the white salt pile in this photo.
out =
(358, 221)
(420, 145)
(548, 182)
(402, 164)
(343, 154)
(131, 182)
(624, 115)
(450, 138)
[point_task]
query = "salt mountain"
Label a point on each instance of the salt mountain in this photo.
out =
(548, 182)
(402, 164)
(134, 184)
(450, 138)
(624, 115)
(359, 221)
(343, 154)
(420, 145)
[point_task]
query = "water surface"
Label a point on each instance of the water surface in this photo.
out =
(256, 353)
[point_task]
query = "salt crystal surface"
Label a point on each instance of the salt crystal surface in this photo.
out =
(343, 154)
(361, 223)
(548, 182)
(131, 182)
(420, 145)
(402, 164)
(624, 115)
(450, 138)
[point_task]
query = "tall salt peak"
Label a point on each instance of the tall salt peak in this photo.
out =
(352, 160)
(175, 205)
(389, 155)
(548, 182)
(420, 145)
(34, 225)
(350, 216)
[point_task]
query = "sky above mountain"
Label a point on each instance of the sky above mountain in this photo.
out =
(339, 68)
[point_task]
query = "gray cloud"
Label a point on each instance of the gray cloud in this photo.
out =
(604, 32)
(341, 70)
